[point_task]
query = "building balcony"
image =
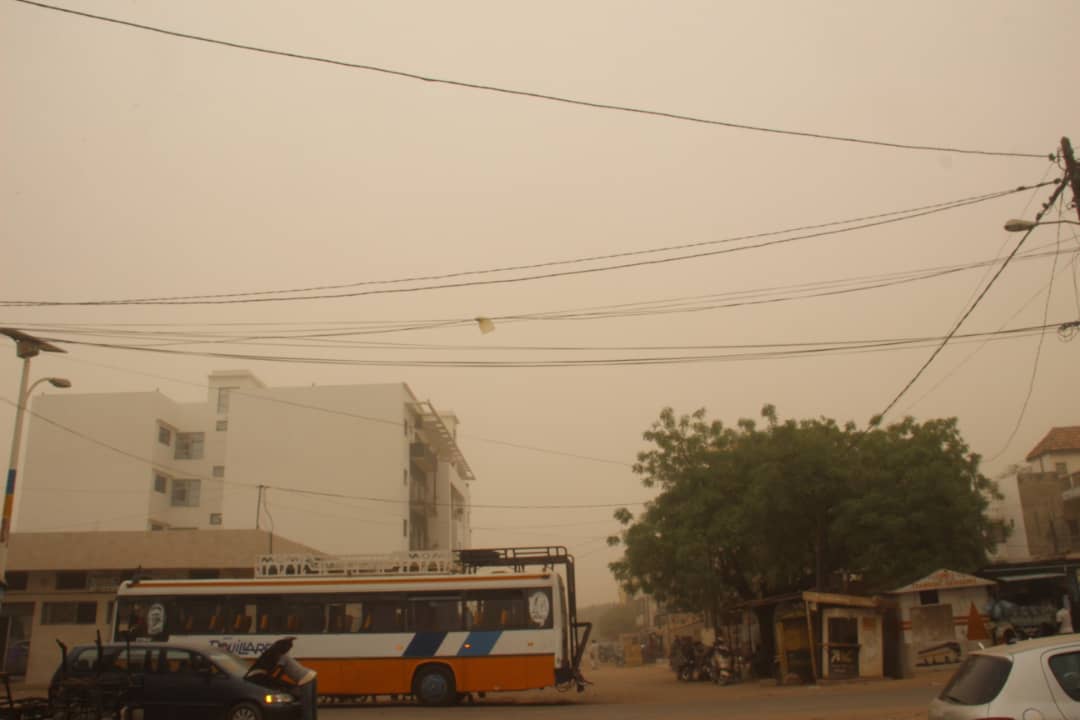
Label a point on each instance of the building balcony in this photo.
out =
(422, 456)
(1072, 493)
(422, 499)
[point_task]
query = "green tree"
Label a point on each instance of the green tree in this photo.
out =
(749, 511)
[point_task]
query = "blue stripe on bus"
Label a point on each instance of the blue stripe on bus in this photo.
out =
(425, 644)
(479, 642)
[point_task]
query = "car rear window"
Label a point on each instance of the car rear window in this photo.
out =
(1066, 668)
(978, 681)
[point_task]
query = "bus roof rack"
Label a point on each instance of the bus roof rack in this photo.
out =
(518, 558)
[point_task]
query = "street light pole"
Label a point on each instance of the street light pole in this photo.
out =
(26, 347)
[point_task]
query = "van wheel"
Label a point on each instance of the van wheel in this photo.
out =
(434, 685)
(244, 711)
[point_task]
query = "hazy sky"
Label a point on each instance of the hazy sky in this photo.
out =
(140, 165)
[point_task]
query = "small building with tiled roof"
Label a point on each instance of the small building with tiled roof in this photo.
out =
(1040, 501)
(1060, 445)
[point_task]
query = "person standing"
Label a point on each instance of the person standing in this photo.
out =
(1064, 617)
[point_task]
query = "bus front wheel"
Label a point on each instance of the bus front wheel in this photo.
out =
(434, 685)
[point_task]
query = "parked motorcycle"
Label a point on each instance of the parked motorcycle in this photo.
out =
(726, 663)
(683, 658)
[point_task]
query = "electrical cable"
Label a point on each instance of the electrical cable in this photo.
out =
(1038, 350)
(1038, 216)
(529, 93)
(883, 219)
(298, 491)
(472, 506)
(868, 346)
(357, 416)
(662, 306)
(967, 358)
(1001, 248)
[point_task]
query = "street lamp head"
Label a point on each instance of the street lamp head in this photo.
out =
(1019, 225)
(60, 382)
(1025, 225)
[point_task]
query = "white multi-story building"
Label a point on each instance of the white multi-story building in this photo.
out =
(347, 469)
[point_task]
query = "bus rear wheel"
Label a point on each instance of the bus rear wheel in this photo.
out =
(434, 685)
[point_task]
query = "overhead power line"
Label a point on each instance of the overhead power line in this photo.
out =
(533, 94)
(299, 491)
(1038, 350)
(846, 348)
(1061, 185)
(473, 506)
(253, 333)
(872, 221)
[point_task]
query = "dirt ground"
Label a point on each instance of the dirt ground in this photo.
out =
(656, 685)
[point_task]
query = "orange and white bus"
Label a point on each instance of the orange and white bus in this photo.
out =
(398, 629)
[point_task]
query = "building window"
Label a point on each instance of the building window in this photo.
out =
(928, 597)
(215, 518)
(17, 580)
(189, 446)
(1062, 469)
(185, 493)
(164, 435)
(405, 476)
(161, 483)
(222, 425)
(223, 400)
(219, 471)
(68, 613)
(71, 580)
(405, 527)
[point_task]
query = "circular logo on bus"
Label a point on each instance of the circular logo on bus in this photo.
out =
(539, 607)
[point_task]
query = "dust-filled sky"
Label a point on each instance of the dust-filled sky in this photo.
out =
(135, 164)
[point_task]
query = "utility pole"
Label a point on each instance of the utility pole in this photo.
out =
(1073, 172)
(258, 505)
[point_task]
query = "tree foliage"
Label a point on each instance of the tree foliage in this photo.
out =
(750, 511)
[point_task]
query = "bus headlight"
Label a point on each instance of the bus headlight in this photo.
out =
(277, 698)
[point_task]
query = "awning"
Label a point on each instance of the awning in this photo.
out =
(1030, 576)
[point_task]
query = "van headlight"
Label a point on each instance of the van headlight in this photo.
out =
(277, 698)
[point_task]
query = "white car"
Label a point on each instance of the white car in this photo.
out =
(1030, 680)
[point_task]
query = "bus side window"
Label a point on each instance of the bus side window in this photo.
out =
(130, 619)
(272, 616)
(435, 614)
(344, 617)
(383, 616)
(496, 609)
(313, 618)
